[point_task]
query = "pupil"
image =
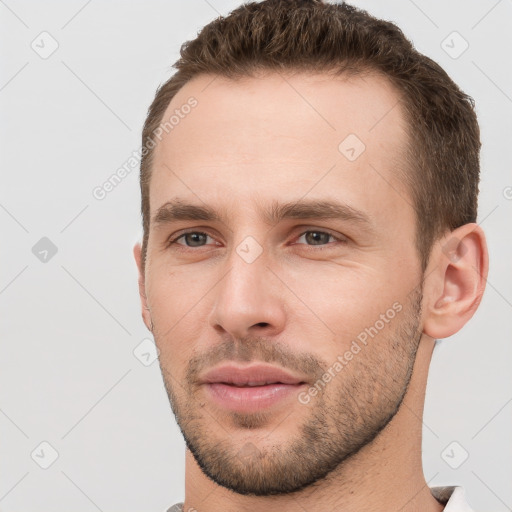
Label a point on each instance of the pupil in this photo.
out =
(195, 238)
(316, 238)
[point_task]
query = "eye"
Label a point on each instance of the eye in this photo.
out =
(191, 239)
(316, 237)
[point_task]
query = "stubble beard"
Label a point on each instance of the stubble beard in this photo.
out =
(346, 416)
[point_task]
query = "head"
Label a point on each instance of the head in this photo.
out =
(312, 209)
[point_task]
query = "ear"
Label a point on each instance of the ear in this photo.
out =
(455, 280)
(146, 312)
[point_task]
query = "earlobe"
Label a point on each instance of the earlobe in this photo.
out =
(146, 312)
(455, 281)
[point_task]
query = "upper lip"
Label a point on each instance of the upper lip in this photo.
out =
(255, 375)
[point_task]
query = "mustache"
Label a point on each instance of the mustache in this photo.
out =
(255, 349)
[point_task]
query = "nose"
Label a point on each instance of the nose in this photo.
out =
(249, 300)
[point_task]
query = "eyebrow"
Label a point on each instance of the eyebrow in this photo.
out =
(176, 210)
(179, 210)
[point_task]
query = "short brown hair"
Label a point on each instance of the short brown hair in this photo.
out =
(442, 156)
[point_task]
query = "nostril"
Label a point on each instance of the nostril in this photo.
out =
(262, 324)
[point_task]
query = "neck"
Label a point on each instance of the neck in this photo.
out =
(386, 474)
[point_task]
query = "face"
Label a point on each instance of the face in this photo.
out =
(281, 273)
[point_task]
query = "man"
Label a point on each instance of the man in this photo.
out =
(309, 198)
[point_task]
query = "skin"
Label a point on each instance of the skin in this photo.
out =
(305, 298)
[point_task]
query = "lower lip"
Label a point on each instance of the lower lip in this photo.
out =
(250, 398)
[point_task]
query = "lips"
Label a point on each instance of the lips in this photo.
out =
(250, 389)
(256, 375)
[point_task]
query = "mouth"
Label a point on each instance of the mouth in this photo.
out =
(252, 388)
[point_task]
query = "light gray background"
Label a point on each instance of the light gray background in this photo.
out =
(69, 326)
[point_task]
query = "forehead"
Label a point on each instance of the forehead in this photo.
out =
(281, 136)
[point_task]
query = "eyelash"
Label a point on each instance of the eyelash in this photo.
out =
(342, 240)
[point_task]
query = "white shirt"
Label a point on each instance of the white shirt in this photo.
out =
(452, 497)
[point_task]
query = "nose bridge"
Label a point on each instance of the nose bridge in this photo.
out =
(245, 298)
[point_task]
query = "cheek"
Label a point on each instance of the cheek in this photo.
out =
(179, 302)
(339, 303)
(173, 291)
